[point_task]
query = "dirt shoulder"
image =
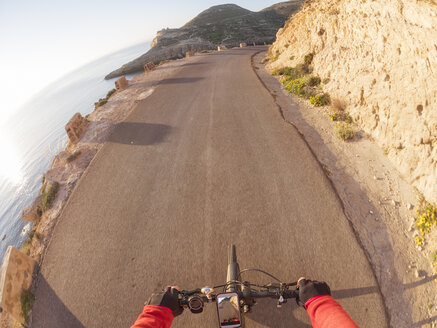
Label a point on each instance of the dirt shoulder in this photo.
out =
(378, 202)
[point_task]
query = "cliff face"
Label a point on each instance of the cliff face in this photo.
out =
(380, 58)
(227, 25)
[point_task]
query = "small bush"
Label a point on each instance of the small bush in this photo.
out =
(296, 86)
(320, 100)
(99, 103)
(308, 59)
(292, 58)
(282, 71)
(27, 300)
(347, 118)
(33, 234)
(110, 93)
(335, 117)
(344, 131)
(308, 92)
(426, 219)
(302, 69)
(286, 79)
(339, 116)
(48, 198)
(103, 101)
(313, 81)
(73, 156)
(338, 105)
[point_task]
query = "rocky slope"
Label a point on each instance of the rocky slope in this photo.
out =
(380, 57)
(219, 25)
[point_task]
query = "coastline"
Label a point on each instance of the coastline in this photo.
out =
(67, 173)
(101, 123)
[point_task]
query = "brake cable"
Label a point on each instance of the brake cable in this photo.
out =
(259, 270)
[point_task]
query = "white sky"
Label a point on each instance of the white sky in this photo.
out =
(41, 40)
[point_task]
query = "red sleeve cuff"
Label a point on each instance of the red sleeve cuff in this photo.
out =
(312, 299)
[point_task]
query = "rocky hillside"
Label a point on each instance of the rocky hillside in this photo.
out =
(219, 25)
(380, 57)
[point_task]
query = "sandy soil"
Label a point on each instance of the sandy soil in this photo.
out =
(380, 205)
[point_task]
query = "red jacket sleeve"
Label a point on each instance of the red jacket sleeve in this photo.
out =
(154, 317)
(325, 312)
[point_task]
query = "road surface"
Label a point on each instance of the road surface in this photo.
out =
(204, 162)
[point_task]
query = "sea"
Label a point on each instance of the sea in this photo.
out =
(35, 134)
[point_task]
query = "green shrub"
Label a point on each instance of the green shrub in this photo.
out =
(344, 131)
(347, 118)
(296, 86)
(73, 156)
(286, 79)
(48, 198)
(308, 59)
(27, 300)
(335, 117)
(302, 69)
(103, 101)
(308, 92)
(276, 71)
(292, 58)
(283, 71)
(339, 116)
(320, 100)
(110, 93)
(313, 81)
(32, 234)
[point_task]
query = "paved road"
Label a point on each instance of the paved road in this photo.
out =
(205, 161)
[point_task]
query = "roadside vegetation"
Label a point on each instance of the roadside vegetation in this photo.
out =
(48, 192)
(103, 101)
(48, 196)
(425, 221)
(73, 156)
(27, 300)
(301, 81)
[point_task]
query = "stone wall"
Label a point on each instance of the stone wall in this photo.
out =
(75, 127)
(380, 57)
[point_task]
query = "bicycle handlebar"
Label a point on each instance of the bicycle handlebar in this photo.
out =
(195, 299)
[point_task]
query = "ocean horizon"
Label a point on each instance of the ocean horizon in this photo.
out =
(35, 134)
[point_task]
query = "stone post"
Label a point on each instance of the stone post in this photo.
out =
(121, 83)
(75, 127)
(16, 275)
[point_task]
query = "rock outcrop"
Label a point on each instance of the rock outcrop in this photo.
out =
(380, 57)
(227, 25)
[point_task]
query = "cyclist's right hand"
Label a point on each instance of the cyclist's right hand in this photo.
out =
(167, 298)
(308, 289)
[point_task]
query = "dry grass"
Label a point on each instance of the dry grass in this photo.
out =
(338, 105)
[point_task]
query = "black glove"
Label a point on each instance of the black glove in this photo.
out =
(308, 289)
(168, 298)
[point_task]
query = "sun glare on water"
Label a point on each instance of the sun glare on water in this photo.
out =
(10, 164)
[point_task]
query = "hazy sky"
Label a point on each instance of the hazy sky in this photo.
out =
(41, 40)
